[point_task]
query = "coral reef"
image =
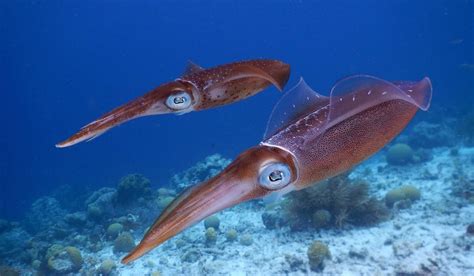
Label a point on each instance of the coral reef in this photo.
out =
(64, 260)
(212, 221)
(163, 201)
(462, 185)
(346, 201)
(203, 170)
(8, 271)
(82, 242)
(5, 225)
(100, 203)
(191, 256)
(107, 267)
(429, 135)
(231, 235)
(321, 218)
(211, 236)
(43, 214)
(405, 195)
(317, 253)
(13, 242)
(131, 188)
(114, 230)
(246, 239)
(465, 128)
(400, 154)
(124, 243)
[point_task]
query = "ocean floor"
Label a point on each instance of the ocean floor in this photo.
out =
(427, 238)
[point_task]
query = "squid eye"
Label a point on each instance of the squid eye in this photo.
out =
(275, 176)
(179, 101)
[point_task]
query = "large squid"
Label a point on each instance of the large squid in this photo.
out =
(309, 138)
(197, 89)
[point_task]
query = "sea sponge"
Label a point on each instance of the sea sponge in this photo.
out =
(124, 243)
(106, 267)
(114, 230)
(246, 239)
(211, 236)
(406, 192)
(131, 188)
(317, 253)
(212, 221)
(231, 235)
(321, 218)
(400, 154)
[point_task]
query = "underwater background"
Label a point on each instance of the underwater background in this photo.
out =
(64, 63)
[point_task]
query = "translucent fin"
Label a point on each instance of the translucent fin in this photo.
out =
(297, 102)
(192, 68)
(357, 93)
(421, 91)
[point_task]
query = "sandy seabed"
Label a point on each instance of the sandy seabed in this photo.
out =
(429, 238)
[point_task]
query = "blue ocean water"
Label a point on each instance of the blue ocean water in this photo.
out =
(65, 63)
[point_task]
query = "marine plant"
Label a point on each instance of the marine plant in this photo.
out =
(317, 253)
(334, 202)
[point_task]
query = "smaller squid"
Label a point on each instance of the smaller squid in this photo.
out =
(309, 138)
(197, 89)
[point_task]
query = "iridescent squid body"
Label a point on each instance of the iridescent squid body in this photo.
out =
(198, 89)
(309, 138)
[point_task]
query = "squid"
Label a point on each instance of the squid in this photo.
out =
(309, 138)
(198, 89)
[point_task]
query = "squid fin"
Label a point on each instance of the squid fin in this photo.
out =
(192, 68)
(297, 102)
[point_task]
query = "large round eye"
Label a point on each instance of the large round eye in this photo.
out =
(179, 101)
(275, 176)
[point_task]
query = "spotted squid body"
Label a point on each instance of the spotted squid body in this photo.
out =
(197, 89)
(309, 138)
